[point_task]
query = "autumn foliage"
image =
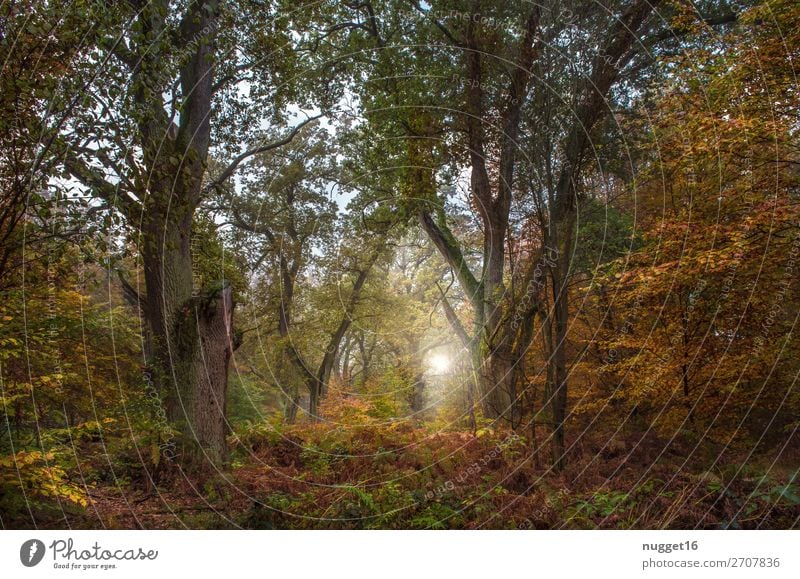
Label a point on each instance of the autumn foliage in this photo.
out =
(641, 316)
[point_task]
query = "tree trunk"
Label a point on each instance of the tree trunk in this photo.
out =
(214, 318)
(192, 344)
(559, 396)
(346, 370)
(562, 238)
(338, 362)
(292, 403)
(417, 397)
(499, 378)
(320, 387)
(166, 256)
(295, 360)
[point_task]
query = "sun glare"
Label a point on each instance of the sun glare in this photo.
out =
(440, 364)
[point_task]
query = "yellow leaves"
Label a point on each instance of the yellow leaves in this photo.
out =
(37, 473)
(481, 432)
(24, 458)
(58, 488)
(76, 496)
(9, 342)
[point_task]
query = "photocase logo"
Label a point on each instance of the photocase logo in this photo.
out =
(31, 552)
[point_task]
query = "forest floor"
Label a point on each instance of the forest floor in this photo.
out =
(378, 474)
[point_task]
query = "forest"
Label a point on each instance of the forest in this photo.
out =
(399, 264)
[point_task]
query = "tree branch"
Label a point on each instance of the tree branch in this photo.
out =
(94, 180)
(448, 246)
(231, 168)
(453, 320)
(444, 30)
(131, 295)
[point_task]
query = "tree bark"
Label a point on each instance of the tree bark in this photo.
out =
(193, 342)
(559, 361)
(213, 314)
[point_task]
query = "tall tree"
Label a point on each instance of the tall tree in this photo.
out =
(287, 222)
(489, 64)
(145, 152)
